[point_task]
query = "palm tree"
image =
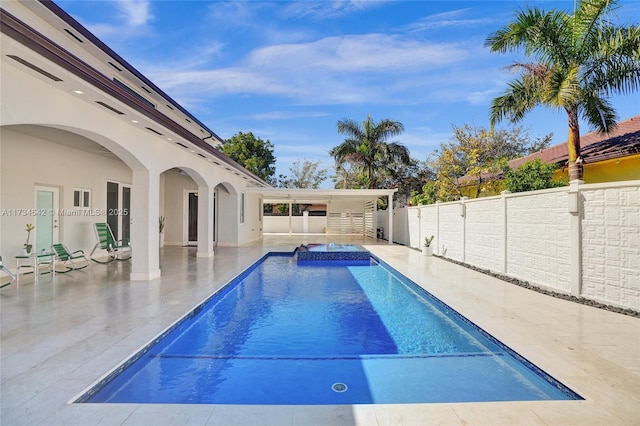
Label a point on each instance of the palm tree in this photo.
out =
(366, 145)
(578, 61)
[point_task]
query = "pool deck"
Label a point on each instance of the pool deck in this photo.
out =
(60, 335)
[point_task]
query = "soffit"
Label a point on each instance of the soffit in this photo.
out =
(63, 137)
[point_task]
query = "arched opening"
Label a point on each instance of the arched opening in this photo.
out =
(227, 214)
(180, 199)
(62, 180)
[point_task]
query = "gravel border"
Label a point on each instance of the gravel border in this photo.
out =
(527, 285)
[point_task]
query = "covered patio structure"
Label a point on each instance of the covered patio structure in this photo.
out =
(348, 211)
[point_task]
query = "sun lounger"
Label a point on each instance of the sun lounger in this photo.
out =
(116, 250)
(68, 259)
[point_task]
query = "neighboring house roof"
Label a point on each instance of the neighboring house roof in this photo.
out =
(624, 140)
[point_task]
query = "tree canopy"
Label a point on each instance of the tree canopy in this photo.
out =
(575, 62)
(254, 154)
(307, 174)
(366, 146)
(468, 165)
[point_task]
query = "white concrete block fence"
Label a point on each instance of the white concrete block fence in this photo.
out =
(581, 240)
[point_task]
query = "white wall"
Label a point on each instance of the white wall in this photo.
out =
(27, 161)
(530, 236)
(280, 224)
(251, 229)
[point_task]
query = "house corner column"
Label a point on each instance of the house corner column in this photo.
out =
(145, 210)
(205, 222)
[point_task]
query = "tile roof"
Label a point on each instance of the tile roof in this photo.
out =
(622, 141)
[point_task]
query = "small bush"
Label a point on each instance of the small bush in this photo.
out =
(531, 176)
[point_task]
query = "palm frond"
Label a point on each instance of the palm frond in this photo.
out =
(599, 113)
(350, 128)
(521, 96)
(562, 88)
(589, 19)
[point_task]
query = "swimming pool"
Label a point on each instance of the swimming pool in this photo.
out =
(324, 332)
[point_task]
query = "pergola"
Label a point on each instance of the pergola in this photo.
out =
(327, 196)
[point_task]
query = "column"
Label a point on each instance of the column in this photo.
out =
(575, 237)
(505, 223)
(205, 222)
(145, 211)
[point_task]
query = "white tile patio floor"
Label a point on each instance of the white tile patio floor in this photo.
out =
(62, 334)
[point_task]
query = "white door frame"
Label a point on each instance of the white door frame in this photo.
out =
(52, 211)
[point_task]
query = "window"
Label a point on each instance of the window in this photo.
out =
(242, 208)
(82, 198)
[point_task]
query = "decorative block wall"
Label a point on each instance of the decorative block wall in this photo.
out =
(538, 246)
(530, 236)
(611, 245)
(484, 233)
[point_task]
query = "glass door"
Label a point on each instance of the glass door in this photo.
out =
(192, 217)
(119, 210)
(47, 225)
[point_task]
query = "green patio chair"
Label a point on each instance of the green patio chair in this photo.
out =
(116, 250)
(10, 274)
(69, 259)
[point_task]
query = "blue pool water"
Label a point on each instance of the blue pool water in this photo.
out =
(324, 333)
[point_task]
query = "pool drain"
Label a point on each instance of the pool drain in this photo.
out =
(339, 387)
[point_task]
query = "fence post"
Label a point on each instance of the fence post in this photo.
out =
(437, 250)
(463, 213)
(575, 237)
(419, 228)
(505, 223)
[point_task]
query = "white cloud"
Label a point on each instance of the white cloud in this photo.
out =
(331, 70)
(353, 53)
(454, 18)
(287, 115)
(135, 12)
(134, 22)
(328, 9)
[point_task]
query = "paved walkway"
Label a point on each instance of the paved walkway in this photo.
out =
(60, 335)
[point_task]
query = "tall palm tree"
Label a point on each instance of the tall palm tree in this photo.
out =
(366, 145)
(578, 61)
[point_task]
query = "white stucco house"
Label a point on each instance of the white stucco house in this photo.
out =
(86, 138)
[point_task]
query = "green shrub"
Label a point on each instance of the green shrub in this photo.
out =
(531, 176)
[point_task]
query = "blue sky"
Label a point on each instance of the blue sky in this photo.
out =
(288, 71)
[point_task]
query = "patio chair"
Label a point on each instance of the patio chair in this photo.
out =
(68, 259)
(106, 241)
(11, 275)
